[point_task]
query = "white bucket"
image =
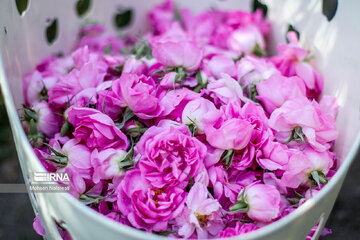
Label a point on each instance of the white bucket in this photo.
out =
(335, 44)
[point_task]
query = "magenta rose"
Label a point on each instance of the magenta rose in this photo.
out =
(170, 155)
(147, 207)
(96, 129)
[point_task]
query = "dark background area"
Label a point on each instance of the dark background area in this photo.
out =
(16, 214)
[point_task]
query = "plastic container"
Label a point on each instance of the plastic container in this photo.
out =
(335, 44)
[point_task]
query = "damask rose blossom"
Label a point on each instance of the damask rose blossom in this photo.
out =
(162, 16)
(224, 89)
(262, 202)
(301, 165)
(218, 65)
(141, 95)
(300, 120)
(133, 65)
(252, 70)
(169, 156)
(285, 88)
(147, 207)
(47, 122)
(96, 129)
(238, 230)
(244, 40)
(293, 60)
(35, 85)
(175, 49)
(225, 131)
(201, 216)
(188, 130)
(107, 163)
(174, 102)
(194, 112)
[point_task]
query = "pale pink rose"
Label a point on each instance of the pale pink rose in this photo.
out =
(293, 60)
(242, 18)
(47, 121)
(329, 105)
(55, 65)
(302, 163)
(169, 155)
(276, 90)
(244, 39)
(162, 16)
(202, 214)
(238, 230)
(96, 129)
(300, 120)
(175, 49)
(35, 85)
(263, 202)
(147, 207)
(269, 178)
(107, 163)
(218, 65)
(252, 70)
(141, 94)
(194, 112)
(224, 89)
(133, 65)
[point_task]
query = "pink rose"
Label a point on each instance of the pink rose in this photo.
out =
(194, 112)
(141, 94)
(162, 16)
(262, 202)
(90, 76)
(170, 155)
(227, 131)
(36, 84)
(147, 207)
(97, 39)
(252, 70)
(47, 122)
(202, 214)
(303, 163)
(175, 49)
(133, 65)
(329, 105)
(96, 129)
(285, 89)
(295, 61)
(175, 101)
(218, 65)
(300, 120)
(224, 89)
(244, 39)
(238, 230)
(108, 163)
(38, 227)
(168, 81)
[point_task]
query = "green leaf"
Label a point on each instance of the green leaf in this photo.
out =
(258, 51)
(164, 233)
(123, 18)
(259, 5)
(292, 29)
(239, 207)
(82, 7)
(65, 128)
(52, 31)
(21, 6)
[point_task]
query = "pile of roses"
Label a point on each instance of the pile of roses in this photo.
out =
(191, 131)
